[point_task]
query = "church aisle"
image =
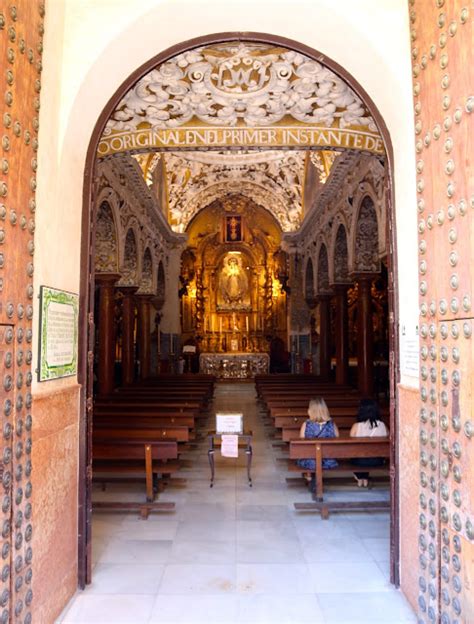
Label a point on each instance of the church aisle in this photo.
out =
(235, 554)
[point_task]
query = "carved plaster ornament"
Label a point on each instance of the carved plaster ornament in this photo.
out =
(106, 254)
(274, 182)
(232, 83)
(366, 248)
(341, 267)
(130, 269)
(146, 282)
(323, 271)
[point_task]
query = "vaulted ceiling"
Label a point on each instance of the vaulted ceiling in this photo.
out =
(236, 108)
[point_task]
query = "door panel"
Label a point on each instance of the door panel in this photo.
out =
(21, 31)
(442, 52)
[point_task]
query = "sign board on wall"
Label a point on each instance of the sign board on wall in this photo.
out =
(229, 423)
(59, 312)
(409, 351)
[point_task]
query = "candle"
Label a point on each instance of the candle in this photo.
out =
(247, 324)
(220, 324)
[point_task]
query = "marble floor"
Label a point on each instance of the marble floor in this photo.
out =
(235, 554)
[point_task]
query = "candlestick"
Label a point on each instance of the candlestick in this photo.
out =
(247, 324)
(220, 324)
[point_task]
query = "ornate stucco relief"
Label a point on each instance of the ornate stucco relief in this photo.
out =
(271, 179)
(240, 83)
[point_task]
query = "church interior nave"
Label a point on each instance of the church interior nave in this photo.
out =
(234, 554)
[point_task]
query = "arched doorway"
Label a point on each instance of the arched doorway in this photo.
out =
(100, 144)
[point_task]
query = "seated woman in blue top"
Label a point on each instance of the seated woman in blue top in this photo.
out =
(319, 425)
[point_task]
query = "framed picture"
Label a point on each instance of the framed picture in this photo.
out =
(59, 315)
(233, 229)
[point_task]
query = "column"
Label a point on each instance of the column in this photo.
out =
(365, 360)
(128, 321)
(106, 330)
(324, 336)
(144, 337)
(342, 335)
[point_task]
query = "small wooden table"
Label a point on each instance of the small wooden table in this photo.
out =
(245, 438)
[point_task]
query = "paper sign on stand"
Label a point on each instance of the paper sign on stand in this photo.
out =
(229, 445)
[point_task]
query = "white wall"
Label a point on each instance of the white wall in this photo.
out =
(91, 46)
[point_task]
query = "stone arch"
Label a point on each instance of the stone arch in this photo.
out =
(130, 260)
(106, 240)
(365, 238)
(323, 270)
(91, 155)
(340, 260)
(146, 282)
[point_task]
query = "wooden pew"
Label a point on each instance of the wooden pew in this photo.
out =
(340, 449)
(137, 455)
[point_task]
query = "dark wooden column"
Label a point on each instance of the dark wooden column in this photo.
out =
(106, 329)
(342, 335)
(144, 336)
(365, 330)
(128, 322)
(324, 336)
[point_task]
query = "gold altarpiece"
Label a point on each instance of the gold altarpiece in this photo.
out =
(232, 300)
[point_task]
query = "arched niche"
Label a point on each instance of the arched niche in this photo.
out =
(309, 280)
(106, 249)
(130, 260)
(323, 270)
(366, 258)
(161, 282)
(146, 282)
(341, 256)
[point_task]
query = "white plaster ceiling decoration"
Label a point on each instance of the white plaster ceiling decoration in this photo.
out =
(323, 161)
(246, 84)
(273, 179)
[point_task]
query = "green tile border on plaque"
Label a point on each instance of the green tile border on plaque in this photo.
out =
(47, 370)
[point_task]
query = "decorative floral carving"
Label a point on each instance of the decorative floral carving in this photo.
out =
(366, 241)
(106, 257)
(235, 83)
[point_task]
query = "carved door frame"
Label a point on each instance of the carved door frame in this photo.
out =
(86, 319)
